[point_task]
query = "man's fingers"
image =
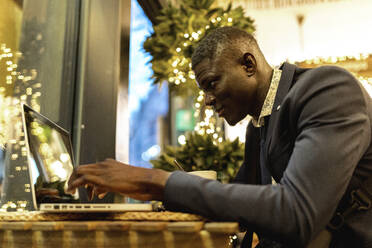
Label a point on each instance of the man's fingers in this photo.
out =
(73, 184)
(81, 170)
(99, 190)
(95, 190)
(81, 181)
(100, 196)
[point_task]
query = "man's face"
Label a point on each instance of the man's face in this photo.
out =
(230, 88)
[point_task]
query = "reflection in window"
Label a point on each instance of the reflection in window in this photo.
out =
(37, 50)
(147, 104)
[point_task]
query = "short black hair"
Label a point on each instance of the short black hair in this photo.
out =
(207, 47)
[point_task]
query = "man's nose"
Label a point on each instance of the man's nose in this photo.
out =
(210, 100)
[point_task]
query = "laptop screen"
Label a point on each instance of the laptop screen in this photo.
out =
(50, 160)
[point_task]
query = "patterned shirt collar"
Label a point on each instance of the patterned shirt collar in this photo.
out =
(269, 100)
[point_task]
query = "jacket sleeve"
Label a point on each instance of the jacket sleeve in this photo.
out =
(333, 132)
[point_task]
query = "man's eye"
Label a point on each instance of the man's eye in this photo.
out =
(212, 84)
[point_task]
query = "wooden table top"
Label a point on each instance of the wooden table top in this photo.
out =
(142, 226)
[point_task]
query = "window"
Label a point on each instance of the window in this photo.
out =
(148, 105)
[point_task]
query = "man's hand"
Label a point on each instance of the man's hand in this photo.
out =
(113, 176)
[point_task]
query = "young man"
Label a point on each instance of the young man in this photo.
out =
(311, 132)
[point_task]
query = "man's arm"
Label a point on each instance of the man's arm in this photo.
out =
(113, 176)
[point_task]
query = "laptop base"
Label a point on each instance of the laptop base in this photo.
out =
(94, 207)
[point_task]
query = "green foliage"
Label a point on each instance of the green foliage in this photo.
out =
(200, 153)
(196, 17)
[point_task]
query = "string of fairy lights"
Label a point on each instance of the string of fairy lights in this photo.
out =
(182, 73)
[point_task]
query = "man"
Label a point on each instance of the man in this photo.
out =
(311, 132)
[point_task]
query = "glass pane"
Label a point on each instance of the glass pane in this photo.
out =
(38, 41)
(147, 103)
(48, 45)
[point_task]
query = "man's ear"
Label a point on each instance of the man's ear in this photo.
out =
(249, 64)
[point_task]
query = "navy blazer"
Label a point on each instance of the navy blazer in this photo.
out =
(316, 145)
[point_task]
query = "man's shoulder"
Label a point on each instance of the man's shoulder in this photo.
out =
(327, 76)
(317, 86)
(324, 70)
(332, 68)
(318, 74)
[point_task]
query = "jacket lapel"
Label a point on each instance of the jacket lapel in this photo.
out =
(285, 84)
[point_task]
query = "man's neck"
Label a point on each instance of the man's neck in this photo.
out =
(262, 90)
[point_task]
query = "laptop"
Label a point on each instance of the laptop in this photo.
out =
(51, 163)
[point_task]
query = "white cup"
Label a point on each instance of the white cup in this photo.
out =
(208, 174)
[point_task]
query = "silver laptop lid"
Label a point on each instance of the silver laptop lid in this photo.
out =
(50, 158)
